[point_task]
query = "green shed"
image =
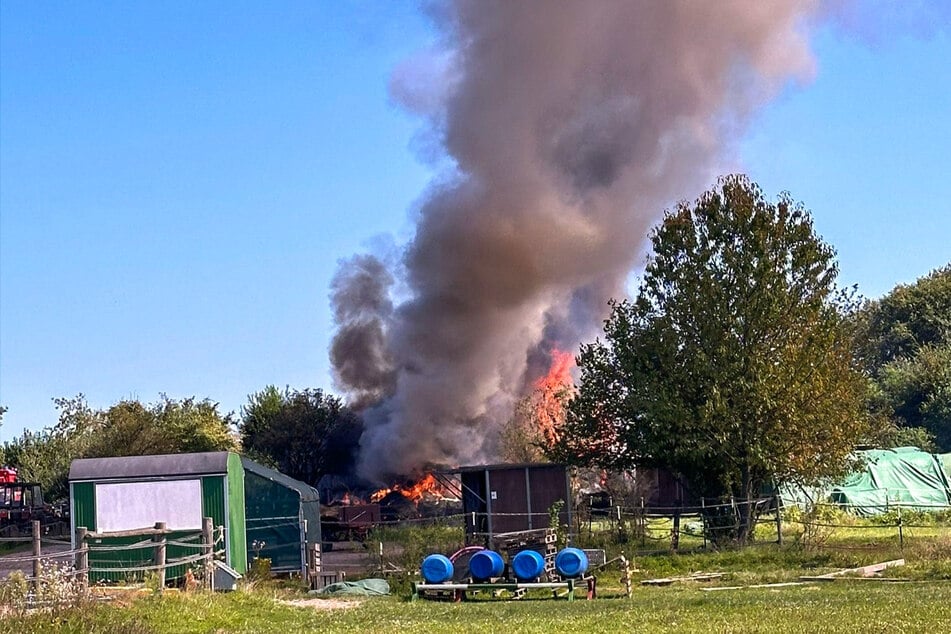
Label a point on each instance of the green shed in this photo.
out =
(259, 510)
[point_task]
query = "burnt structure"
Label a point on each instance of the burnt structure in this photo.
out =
(504, 498)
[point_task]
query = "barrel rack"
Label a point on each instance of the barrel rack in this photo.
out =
(457, 591)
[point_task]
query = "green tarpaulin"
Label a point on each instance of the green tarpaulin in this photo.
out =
(906, 476)
(945, 459)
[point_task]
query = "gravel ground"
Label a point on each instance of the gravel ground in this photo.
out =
(9, 563)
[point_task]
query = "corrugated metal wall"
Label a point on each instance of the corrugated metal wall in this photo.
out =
(84, 512)
(515, 498)
(273, 518)
(236, 539)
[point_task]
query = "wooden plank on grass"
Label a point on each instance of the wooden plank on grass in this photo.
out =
(784, 584)
(666, 581)
(861, 571)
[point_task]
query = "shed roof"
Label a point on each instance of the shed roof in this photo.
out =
(212, 462)
(503, 466)
(307, 493)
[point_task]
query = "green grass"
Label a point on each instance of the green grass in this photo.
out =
(922, 604)
(835, 607)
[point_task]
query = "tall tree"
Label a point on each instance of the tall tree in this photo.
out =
(906, 320)
(304, 434)
(905, 342)
(733, 365)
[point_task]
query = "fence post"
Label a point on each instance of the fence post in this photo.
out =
(779, 520)
(901, 535)
(37, 553)
(642, 520)
(313, 565)
(703, 520)
(81, 561)
(382, 563)
(159, 539)
(207, 550)
(675, 532)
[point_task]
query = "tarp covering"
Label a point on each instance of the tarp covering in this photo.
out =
(362, 588)
(945, 459)
(905, 475)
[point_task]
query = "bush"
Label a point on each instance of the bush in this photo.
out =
(58, 588)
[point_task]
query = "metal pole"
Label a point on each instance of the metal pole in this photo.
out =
(779, 520)
(488, 507)
(567, 507)
(528, 497)
(901, 534)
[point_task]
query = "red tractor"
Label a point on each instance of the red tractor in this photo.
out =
(20, 504)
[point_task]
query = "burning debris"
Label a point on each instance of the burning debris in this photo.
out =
(566, 130)
(428, 487)
(347, 515)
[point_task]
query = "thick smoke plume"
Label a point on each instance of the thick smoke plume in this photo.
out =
(570, 126)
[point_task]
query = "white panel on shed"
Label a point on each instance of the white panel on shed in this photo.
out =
(132, 505)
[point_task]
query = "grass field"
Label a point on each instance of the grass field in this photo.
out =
(919, 602)
(834, 607)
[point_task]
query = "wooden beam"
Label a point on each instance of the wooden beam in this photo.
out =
(861, 571)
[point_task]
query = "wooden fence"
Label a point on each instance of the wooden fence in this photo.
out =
(156, 541)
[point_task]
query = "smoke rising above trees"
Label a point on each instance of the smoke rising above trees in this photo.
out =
(567, 128)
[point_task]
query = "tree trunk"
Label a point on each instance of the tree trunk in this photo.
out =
(746, 514)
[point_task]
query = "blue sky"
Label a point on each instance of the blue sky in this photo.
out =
(178, 182)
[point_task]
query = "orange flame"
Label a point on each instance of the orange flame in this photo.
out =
(550, 393)
(427, 486)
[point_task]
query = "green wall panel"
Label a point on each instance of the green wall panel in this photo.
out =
(84, 505)
(236, 536)
(273, 517)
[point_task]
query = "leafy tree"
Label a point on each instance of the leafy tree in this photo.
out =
(168, 426)
(733, 365)
(905, 342)
(44, 456)
(523, 438)
(127, 428)
(915, 393)
(304, 434)
(892, 436)
(906, 320)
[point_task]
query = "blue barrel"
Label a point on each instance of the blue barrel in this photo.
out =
(528, 565)
(436, 569)
(571, 562)
(486, 564)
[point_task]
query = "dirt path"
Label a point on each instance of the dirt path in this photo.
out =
(322, 604)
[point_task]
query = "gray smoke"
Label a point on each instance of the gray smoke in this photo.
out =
(570, 125)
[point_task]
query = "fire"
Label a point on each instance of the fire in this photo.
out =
(550, 393)
(427, 486)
